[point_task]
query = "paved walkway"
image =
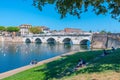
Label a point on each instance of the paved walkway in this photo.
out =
(15, 71)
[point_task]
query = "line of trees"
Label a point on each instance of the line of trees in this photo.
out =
(10, 29)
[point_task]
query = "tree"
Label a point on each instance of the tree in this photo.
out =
(2, 28)
(76, 7)
(109, 32)
(35, 30)
(90, 31)
(103, 32)
(13, 29)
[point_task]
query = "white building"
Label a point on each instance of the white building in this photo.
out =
(24, 29)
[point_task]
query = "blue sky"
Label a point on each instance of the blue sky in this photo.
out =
(17, 12)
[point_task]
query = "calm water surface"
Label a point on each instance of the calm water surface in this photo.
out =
(15, 55)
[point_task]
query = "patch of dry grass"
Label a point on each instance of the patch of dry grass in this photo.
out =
(110, 75)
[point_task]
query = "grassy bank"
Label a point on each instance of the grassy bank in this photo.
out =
(61, 68)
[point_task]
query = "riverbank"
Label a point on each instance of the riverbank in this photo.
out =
(55, 68)
(102, 68)
(15, 71)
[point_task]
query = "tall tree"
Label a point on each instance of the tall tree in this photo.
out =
(76, 7)
(35, 30)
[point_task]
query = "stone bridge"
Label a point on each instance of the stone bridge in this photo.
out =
(60, 39)
(97, 40)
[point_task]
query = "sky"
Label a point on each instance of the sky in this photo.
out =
(17, 12)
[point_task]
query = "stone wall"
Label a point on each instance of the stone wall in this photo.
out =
(102, 41)
(0, 38)
(98, 41)
(113, 41)
(12, 39)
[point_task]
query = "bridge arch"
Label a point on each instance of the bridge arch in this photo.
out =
(85, 42)
(38, 40)
(67, 41)
(28, 40)
(51, 40)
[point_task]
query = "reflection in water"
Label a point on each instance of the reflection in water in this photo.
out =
(51, 43)
(83, 47)
(67, 45)
(14, 55)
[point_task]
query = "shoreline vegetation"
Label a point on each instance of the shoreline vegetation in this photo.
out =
(103, 68)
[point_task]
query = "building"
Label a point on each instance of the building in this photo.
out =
(24, 29)
(72, 30)
(45, 29)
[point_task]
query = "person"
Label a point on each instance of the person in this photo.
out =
(113, 49)
(81, 63)
(33, 62)
(104, 52)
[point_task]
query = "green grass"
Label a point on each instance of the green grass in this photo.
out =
(61, 68)
(107, 68)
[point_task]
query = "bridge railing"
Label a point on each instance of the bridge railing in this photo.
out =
(47, 35)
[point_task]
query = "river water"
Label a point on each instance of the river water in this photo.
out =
(15, 55)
